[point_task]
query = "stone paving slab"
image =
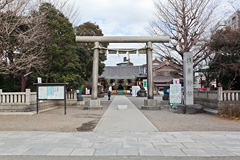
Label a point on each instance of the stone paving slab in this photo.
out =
(37, 151)
(199, 145)
(235, 151)
(219, 152)
(150, 152)
(82, 152)
(60, 152)
(130, 144)
(173, 152)
(105, 152)
(196, 152)
(127, 152)
(166, 145)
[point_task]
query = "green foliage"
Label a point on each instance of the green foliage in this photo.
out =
(226, 63)
(10, 83)
(90, 29)
(83, 87)
(64, 63)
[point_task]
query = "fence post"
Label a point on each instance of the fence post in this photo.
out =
(75, 95)
(233, 96)
(0, 95)
(220, 94)
(28, 91)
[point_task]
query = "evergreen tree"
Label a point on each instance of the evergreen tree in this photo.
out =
(64, 63)
(86, 49)
(225, 66)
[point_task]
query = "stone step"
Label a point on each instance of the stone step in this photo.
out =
(211, 111)
(164, 102)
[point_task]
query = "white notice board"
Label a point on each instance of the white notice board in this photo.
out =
(175, 94)
(135, 89)
(50, 92)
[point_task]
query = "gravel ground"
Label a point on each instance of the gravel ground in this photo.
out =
(76, 119)
(167, 121)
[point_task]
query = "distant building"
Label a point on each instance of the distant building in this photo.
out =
(126, 62)
(163, 74)
(234, 21)
(123, 70)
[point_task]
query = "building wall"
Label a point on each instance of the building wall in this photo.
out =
(234, 21)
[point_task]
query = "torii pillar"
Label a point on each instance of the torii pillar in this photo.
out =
(94, 103)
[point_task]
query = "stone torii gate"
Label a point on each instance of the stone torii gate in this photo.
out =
(149, 40)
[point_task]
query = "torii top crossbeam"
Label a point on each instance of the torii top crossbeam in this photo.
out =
(122, 39)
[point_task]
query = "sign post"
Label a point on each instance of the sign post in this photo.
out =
(51, 91)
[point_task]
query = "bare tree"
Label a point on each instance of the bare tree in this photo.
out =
(22, 32)
(186, 22)
(67, 7)
(234, 4)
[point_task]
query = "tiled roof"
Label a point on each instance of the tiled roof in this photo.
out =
(121, 72)
(167, 63)
(165, 79)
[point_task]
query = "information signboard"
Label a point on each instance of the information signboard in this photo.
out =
(175, 94)
(135, 89)
(50, 92)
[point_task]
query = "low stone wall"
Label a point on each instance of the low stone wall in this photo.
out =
(208, 99)
(212, 104)
(17, 108)
(230, 109)
(226, 102)
(26, 101)
(17, 101)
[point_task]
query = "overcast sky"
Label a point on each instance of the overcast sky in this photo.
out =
(123, 18)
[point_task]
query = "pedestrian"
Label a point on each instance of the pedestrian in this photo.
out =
(109, 95)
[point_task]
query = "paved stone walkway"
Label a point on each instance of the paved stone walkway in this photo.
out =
(130, 119)
(163, 144)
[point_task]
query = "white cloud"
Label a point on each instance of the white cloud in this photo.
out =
(123, 17)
